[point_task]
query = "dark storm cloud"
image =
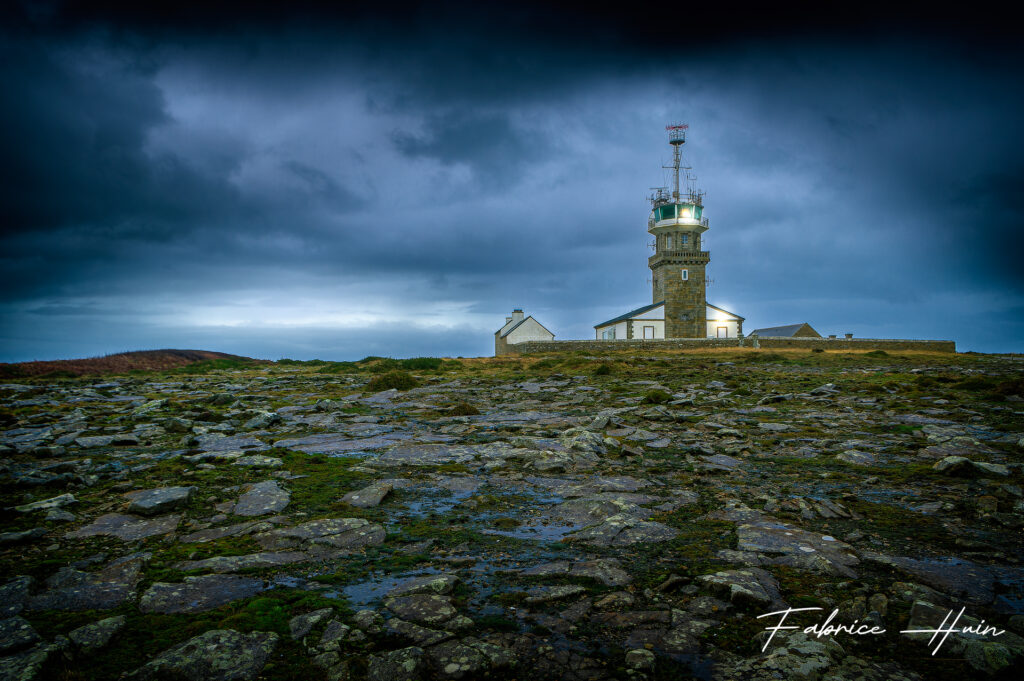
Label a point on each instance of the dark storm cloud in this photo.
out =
(182, 168)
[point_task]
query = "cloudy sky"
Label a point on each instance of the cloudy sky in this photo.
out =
(393, 182)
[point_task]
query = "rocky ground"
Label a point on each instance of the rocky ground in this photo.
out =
(613, 517)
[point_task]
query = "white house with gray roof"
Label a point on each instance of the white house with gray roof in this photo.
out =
(519, 329)
(648, 322)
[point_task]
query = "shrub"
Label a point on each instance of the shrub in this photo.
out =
(603, 370)
(876, 353)
(399, 380)
(656, 397)
(464, 409)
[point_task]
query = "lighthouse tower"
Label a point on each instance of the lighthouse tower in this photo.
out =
(678, 265)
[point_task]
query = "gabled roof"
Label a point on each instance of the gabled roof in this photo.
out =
(788, 330)
(722, 309)
(628, 315)
(648, 308)
(520, 323)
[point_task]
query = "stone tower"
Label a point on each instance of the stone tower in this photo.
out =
(678, 264)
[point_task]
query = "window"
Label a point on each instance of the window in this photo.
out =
(684, 239)
(686, 275)
(609, 334)
(723, 332)
(668, 242)
(648, 332)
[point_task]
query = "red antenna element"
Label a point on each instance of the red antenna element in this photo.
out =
(678, 126)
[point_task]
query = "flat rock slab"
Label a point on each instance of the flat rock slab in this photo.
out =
(720, 462)
(624, 531)
(198, 594)
(75, 590)
(340, 443)
(422, 608)
(608, 571)
(469, 658)
(427, 455)
(341, 533)
(218, 442)
(262, 498)
(218, 655)
(127, 527)
(590, 510)
(253, 560)
(215, 533)
(152, 502)
(369, 496)
(46, 504)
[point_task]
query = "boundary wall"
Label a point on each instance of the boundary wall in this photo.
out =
(781, 342)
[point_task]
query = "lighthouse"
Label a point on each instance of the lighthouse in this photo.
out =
(678, 265)
(679, 307)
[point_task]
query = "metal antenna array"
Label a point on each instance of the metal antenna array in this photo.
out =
(677, 138)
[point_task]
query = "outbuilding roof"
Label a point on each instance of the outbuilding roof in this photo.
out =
(788, 330)
(520, 323)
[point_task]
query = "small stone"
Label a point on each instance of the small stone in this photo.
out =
(640, 659)
(16, 634)
(91, 637)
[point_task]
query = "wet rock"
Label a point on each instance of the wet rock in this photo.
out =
(262, 498)
(126, 527)
(301, 625)
(422, 608)
(16, 634)
(152, 502)
(90, 638)
(198, 594)
(796, 656)
(368, 497)
(213, 534)
(71, 589)
(217, 655)
(406, 664)
(369, 621)
(441, 584)
(751, 587)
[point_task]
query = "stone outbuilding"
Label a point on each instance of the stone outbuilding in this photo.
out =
(791, 331)
(519, 329)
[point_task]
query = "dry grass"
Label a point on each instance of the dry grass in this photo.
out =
(142, 360)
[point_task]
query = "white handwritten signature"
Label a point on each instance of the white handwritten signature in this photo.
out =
(827, 628)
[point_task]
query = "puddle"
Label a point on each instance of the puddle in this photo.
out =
(373, 590)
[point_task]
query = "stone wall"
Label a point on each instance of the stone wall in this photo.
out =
(748, 342)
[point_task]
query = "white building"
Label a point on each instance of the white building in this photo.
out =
(519, 329)
(648, 322)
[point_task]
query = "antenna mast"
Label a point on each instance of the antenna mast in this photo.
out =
(677, 138)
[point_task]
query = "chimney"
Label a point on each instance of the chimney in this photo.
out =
(849, 336)
(508, 319)
(517, 315)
